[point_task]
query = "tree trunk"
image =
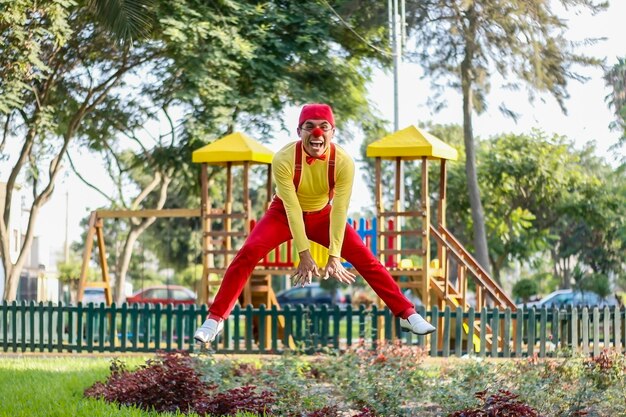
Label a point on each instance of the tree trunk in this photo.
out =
(478, 217)
(127, 252)
(136, 230)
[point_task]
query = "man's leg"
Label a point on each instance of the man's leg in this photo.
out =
(269, 232)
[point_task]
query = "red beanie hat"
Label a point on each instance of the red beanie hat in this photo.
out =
(316, 111)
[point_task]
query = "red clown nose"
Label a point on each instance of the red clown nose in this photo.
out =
(317, 132)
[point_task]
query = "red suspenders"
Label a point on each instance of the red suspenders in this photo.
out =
(331, 169)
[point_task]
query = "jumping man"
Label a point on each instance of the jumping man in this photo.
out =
(313, 179)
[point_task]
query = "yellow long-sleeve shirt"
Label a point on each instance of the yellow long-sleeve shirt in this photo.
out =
(312, 194)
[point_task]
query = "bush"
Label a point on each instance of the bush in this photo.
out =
(503, 403)
(242, 399)
(168, 383)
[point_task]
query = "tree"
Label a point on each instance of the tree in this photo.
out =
(127, 20)
(218, 67)
(463, 42)
(591, 229)
(525, 288)
(616, 79)
(56, 78)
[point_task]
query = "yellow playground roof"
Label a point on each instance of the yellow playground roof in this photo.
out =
(411, 143)
(236, 148)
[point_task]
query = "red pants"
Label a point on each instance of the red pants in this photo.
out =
(273, 229)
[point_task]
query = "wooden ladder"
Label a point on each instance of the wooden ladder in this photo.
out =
(455, 294)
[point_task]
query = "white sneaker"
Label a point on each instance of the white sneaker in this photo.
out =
(208, 331)
(416, 324)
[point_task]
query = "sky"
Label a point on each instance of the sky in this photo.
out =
(587, 119)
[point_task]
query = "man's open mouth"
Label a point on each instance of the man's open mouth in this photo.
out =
(317, 144)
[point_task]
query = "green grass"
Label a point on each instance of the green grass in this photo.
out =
(35, 386)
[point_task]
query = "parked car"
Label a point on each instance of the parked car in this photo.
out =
(572, 298)
(163, 294)
(312, 294)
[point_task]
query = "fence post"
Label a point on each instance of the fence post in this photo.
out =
(574, 330)
(362, 321)
(519, 331)
(532, 331)
(274, 329)
(495, 331)
(471, 318)
(374, 321)
(336, 326)
(434, 335)
(299, 324)
(324, 326)
(248, 315)
(5, 325)
(70, 328)
(262, 333)
(313, 328)
(484, 319)
(596, 331)
(506, 334)
(288, 331)
(31, 322)
(112, 329)
(23, 326)
(446, 332)
(585, 331)
(617, 329)
(124, 329)
(79, 327)
(458, 334)
(134, 321)
(543, 331)
(236, 316)
(169, 331)
(349, 312)
(421, 339)
(607, 327)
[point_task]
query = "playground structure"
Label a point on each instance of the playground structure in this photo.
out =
(417, 268)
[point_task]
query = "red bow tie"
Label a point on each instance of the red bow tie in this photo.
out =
(310, 159)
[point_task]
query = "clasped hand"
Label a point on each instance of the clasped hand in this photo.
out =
(307, 269)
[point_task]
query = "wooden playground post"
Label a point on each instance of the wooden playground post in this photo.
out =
(425, 290)
(441, 220)
(247, 203)
(380, 209)
(228, 212)
(397, 204)
(91, 232)
(207, 258)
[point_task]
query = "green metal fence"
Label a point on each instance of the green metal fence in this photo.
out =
(30, 327)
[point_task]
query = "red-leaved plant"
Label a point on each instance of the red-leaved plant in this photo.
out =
(242, 399)
(366, 412)
(168, 383)
(502, 404)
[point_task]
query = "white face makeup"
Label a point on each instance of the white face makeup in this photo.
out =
(316, 135)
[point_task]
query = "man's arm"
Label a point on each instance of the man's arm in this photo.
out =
(341, 202)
